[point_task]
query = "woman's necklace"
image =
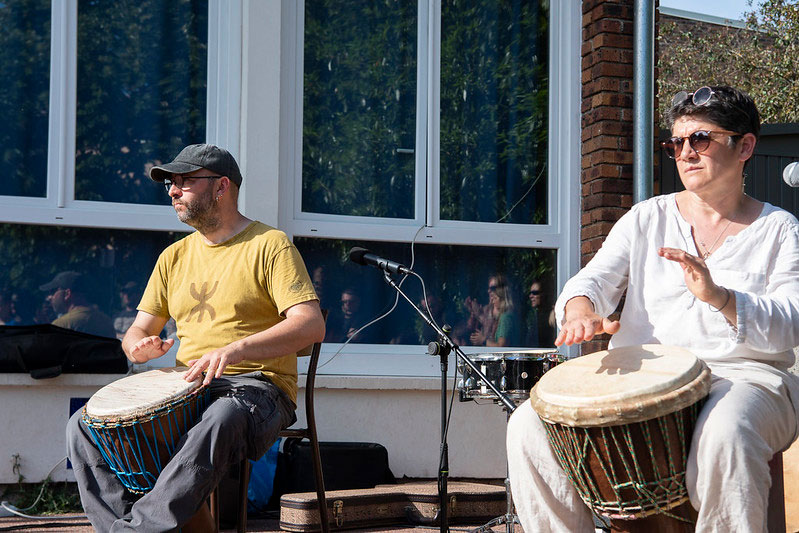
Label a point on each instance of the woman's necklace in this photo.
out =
(708, 249)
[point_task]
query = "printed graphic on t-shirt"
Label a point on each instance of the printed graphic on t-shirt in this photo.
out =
(202, 297)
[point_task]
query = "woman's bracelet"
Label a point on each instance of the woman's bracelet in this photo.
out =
(725, 302)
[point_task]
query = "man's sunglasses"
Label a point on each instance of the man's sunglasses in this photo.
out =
(698, 141)
(181, 184)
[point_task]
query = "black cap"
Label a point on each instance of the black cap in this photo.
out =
(65, 280)
(197, 156)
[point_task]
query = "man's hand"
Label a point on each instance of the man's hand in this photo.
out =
(213, 364)
(582, 324)
(149, 348)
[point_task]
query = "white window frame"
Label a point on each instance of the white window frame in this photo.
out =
(59, 206)
(563, 174)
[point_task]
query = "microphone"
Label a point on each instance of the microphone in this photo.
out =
(791, 174)
(362, 256)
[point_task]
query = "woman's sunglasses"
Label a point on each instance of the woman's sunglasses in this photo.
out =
(701, 96)
(698, 141)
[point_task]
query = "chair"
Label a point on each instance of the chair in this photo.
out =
(775, 514)
(308, 432)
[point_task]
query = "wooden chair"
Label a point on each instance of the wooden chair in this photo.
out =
(308, 432)
(775, 514)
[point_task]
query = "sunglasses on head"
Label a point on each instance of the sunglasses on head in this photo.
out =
(698, 141)
(701, 96)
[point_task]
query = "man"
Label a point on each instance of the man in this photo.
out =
(344, 324)
(68, 296)
(244, 305)
(128, 296)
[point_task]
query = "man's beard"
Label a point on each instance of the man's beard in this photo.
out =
(200, 213)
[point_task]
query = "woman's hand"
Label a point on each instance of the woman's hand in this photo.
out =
(697, 276)
(700, 283)
(582, 324)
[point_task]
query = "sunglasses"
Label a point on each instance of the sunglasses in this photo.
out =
(701, 96)
(184, 184)
(698, 141)
(535, 293)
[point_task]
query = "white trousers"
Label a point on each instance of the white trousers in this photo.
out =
(739, 429)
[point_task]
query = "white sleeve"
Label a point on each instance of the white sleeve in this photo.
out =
(770, 322)
(604, 279)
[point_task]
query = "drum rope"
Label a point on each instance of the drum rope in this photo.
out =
(575, 448)
(120, 439)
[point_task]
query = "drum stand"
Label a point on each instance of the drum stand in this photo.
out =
(510, 519)
(443, 347)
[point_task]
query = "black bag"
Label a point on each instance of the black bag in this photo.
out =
(46, 351)
(345, 465)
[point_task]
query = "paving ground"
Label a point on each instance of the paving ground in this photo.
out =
(69, 524)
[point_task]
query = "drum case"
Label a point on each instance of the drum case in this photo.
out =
(405, 503)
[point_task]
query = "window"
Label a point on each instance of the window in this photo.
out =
(102, 90)
(114, 266)
(432, 123)
(25, 42)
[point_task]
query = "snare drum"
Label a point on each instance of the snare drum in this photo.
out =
(137, 421)
(513, 373)
(620, 422)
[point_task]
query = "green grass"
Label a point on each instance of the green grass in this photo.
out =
(58, 497)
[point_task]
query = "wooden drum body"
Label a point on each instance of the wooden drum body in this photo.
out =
(620, 422)
(137, 421)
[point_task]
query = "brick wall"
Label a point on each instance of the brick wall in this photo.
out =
(607, 123)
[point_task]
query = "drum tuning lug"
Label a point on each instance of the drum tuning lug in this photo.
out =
(503, 383)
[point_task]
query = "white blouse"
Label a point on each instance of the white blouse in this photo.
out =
(761, 264)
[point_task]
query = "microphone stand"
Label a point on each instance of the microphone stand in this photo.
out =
(443, 348)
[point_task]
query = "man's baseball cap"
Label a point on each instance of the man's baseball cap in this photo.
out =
(197, 156)
(65, 280)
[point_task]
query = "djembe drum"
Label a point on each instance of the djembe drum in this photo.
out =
(137, 421)
(620, 422)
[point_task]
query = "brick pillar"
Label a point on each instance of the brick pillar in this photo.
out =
(607, 124)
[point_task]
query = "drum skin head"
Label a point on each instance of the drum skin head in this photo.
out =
(621, 386)
(136, 394)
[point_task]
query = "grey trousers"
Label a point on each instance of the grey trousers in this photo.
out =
(243, 420)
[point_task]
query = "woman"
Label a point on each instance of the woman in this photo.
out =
(709, 269)
(500, 326)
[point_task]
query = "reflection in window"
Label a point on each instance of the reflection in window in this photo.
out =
(359, 108)
(494, 99)
(24, 96)
(141, 90)
(485, 294)
(108, 268)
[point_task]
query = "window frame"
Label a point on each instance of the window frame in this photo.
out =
(561, 231)
(59, 206)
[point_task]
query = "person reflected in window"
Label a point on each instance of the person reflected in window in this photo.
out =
(321, 286)
(68, 295)
(540, 319)
(345, 323)
(129, 297)
(500, 322)
(7, 313)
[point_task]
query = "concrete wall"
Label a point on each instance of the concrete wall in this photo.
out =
(403, 414)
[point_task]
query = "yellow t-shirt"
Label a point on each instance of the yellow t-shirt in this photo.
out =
(220, 293)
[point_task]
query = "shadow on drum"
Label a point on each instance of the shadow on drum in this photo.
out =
(617, 363)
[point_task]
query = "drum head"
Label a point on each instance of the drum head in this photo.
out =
(620, 386)
(139, 394)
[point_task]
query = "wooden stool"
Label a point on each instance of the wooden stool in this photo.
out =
(308, 432)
